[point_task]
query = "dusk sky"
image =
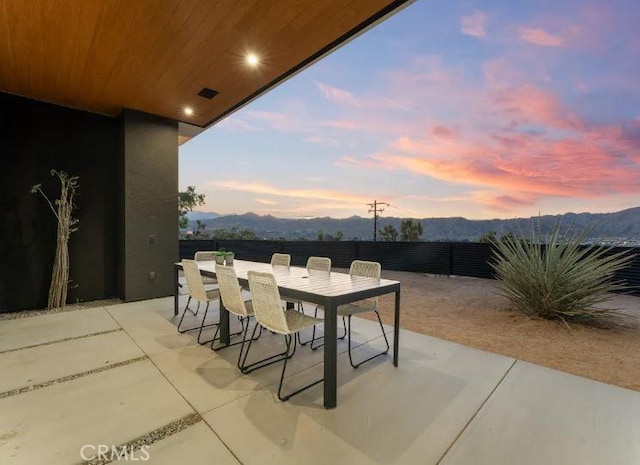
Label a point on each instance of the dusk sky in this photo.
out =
(481, 109)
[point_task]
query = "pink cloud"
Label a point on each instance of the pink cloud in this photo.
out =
(541, 37)
(425, 70)
(505, 202)
(349, 161)
(341, 96)
(266, 201)
(527, 104)
(501, 72)
(347, 99)
(533, 148)
(442, 131)
(474, 24)
(530, 164)
(595, 24)
(234, 123)
(343, 124)
(262, 188)
(282, 121)
(589, 28)
(323, 140)
(582, 87)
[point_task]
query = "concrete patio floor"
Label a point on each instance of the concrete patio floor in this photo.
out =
(110, 375)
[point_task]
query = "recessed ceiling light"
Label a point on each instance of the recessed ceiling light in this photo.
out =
(252, 59)
(188, 111)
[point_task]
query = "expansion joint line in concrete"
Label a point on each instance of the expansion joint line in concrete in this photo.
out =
(495, 388)
(64, 379)
(149, 438)
(57, 341)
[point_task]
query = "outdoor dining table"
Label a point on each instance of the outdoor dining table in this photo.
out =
(326, 289)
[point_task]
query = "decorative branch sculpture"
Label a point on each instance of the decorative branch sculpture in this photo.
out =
(66, 225)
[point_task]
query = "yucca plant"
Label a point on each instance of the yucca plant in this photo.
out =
(559, 278)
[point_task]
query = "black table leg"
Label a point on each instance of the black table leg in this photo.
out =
(330, 355)
(176, 290)
(396, 329)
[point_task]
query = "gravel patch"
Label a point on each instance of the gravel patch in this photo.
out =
(34, 387)
(68, 308)
(62, 340)
(150, 438)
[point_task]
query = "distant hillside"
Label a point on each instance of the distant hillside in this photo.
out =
(622, 225)
(193, 216)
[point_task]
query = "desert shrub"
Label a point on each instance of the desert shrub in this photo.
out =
(558, 278)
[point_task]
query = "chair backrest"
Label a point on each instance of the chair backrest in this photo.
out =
(204, 256)
(267, 305)
(319, 263)
(281, 259)
(194, 280)
(230, 292)
(368, 270)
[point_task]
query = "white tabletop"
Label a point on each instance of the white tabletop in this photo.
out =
(300, 279)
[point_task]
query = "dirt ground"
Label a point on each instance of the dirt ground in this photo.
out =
(470, 311)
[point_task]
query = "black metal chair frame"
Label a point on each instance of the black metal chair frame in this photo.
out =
(180, 286)
(288, 339)
(280, 357)
(245, 369)
(384, 352)
(313, 334)
(244, 321)
(202, 325)
(347, 331)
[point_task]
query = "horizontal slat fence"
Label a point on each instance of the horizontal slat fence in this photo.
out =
(443, 258)
(425, 257)
(471, 259)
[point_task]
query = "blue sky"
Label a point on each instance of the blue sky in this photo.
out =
(481, 109)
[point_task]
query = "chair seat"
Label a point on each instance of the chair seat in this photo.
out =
(297, 321)
(354, 309)
(249, 306)
(213, 294)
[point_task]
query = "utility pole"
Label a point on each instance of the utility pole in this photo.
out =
(376, 208)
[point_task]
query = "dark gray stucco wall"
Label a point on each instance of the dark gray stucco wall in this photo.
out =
(148, 227)
(128, 168)
(36, 137)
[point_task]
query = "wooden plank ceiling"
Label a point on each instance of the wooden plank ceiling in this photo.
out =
(156, 55)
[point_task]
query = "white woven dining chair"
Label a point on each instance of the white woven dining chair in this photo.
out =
(360, 268)
(319, 264)
(206, 256)
(281, 259)
(234, 302)
(202, 256)
(195, 286)
(314, 264)
(269, 313)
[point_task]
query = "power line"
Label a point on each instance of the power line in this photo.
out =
(376, 209)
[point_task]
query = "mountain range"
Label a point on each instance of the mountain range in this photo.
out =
(618, 226)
